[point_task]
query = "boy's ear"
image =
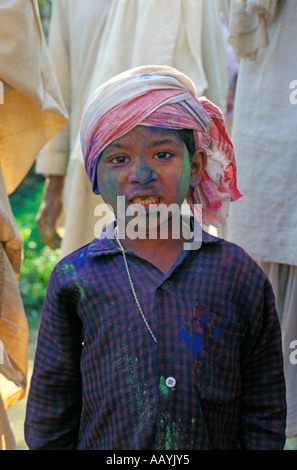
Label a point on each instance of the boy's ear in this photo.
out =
(198, 165)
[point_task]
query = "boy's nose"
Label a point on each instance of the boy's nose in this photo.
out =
(142, 173)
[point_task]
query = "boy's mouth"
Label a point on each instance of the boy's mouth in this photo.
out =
(145, 200)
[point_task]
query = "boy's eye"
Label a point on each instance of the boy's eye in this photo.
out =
(119, 159)
(163, 155)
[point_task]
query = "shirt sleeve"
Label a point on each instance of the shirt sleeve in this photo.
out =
(54, 400)
(53, 158)
(263, 415)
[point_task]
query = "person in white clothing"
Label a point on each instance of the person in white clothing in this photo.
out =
(264, 134)
(93, 40)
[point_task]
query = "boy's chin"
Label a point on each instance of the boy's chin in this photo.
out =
(142, 222)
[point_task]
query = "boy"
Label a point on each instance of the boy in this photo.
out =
(144, 344)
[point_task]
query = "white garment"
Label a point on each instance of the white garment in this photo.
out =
(264, 134)
(284, 282)
(248, 24)
(92, 40)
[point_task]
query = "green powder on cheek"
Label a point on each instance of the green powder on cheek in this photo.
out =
(184, 174)
(109, 190)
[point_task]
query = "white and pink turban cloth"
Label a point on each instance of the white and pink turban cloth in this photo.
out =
(161, 96)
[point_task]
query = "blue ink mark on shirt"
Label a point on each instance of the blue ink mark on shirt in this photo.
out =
(185, 336)
(216, 332)
(197, 344)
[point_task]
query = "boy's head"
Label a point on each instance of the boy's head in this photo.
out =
(149, 165)
(137, 105)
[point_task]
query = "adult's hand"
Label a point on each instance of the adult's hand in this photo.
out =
(50, 210)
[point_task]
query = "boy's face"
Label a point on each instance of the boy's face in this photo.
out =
(148, 165)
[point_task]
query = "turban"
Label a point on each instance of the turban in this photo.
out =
(162, 96)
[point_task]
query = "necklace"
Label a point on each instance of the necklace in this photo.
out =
(132, 287)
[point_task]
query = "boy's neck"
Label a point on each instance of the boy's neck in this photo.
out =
(160, 251)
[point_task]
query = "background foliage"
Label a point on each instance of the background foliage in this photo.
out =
(38, 259)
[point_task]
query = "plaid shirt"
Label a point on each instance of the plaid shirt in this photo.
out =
(214, 380)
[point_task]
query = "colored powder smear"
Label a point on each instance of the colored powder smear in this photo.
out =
(163, 386)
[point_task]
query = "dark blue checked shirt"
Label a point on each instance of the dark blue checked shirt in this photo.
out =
(214, 380)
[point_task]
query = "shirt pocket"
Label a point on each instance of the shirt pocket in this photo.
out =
(216, 343)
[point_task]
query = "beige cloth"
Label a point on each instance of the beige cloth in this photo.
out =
(7, 440)
(31, 112)
(249, 21)
(25, 65)
(13, 323)
(91, 41)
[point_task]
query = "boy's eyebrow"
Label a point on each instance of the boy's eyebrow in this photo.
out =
(163, 142)
(153, 144)
(115, 145)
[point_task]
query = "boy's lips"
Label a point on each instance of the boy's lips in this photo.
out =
(145, 200)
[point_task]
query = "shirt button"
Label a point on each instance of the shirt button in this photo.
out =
(165, 285)
(170, 382)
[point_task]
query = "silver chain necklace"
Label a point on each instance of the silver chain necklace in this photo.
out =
(132, 287)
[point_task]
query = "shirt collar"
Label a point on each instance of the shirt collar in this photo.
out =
(106, 243)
